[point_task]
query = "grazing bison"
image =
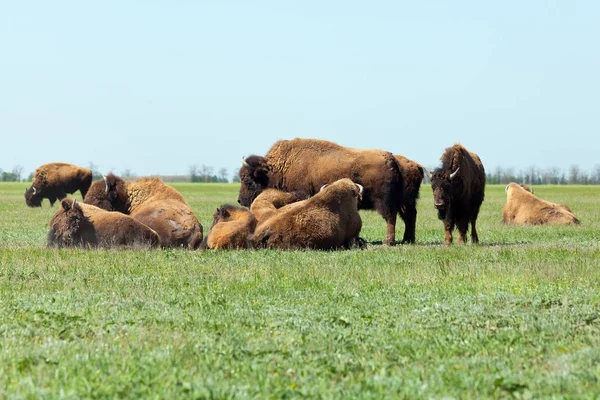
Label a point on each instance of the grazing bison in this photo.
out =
(269, 201)
(151, 202)
(412, 173)
(53, 181)
(328, 220)
(307, 164)
(524, 208)
(231, 229)
(458, 191)
(78, 224)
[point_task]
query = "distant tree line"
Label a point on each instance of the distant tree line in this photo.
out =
(203, 173)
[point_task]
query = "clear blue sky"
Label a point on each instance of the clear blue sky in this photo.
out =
(157, 86)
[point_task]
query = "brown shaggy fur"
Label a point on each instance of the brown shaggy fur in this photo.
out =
(269, 201)
(328, 220)
(231, 229)
(412, 172)
(524, 208)
(308, 164)
(77, 224)
(153, 203)
(459, 199)
(53, 181)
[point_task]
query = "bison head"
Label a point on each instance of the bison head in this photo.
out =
(68, 225)
(254, 177)
(109, 193)
(223, 213)
(33, 197)
(441, 184)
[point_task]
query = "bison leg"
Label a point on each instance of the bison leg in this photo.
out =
(409, 216)
(390, 237)
(463, 227)
(52, 201)
(474, 237)
(448, 227)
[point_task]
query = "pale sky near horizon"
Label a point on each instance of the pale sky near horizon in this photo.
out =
(157, 86)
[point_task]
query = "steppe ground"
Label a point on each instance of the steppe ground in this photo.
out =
(516, 317)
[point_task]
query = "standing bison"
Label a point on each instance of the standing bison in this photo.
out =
(412, 173)
(328, 220)
(458, 191)
(307, 164)
(85, 225)
(151, 202)
(525, 208)
(53, 181)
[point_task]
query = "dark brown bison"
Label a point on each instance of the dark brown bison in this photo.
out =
(524, 208)
(53, 181)
(308, 164)
(84, 225)
(458, 191)
(412, 173)
(151, 202)
(231, 229)
(328, 220)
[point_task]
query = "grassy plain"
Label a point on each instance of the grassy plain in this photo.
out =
(515, 317)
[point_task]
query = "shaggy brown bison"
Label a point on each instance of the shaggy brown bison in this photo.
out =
(328, 220)
(269, 201)
(458, 191)
(151, 202)
(78, 224)
(412, 172)
(231, 229)
(308, 164)
(524, 208)
(53, 181)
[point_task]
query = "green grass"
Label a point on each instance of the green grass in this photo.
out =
(516, 317)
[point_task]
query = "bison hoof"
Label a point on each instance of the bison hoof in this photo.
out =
(389, 242)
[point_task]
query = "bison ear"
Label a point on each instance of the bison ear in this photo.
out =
(65, 205)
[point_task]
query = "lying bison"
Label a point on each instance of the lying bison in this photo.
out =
(458, 191)
(307, 164)
(269, 201)
(231, 229)
(53, 181)
(151, 202)
(328, 220)
(84, 225)
(524, 208)
(412, 173)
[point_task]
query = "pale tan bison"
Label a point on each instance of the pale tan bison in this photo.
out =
(53, 181)
(458, 191)
(269, 201)
(77, 224)
(151, 202)
(307, 164)
(525, 208)
(231, 229)
(328, 220)
(413, 174)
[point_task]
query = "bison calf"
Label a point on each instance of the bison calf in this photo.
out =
(458, 191)
(78, 224)
(525, 208)
(328, 220)
(53, 181)
(232, 226)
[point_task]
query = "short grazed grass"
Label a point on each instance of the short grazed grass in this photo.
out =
(516, 317)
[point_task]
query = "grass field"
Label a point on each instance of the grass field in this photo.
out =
(516, 317)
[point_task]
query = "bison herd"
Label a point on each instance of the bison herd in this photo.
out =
(303, 194)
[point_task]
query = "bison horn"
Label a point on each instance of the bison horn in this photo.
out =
(361, 189)
(323, 187)
(427, 173)
(74, 202)
(453, 175)
(33, 187)
(105, 182)
(244, 163)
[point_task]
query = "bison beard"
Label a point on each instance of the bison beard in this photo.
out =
(458, 191)
(328, 220)
(307, 164)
